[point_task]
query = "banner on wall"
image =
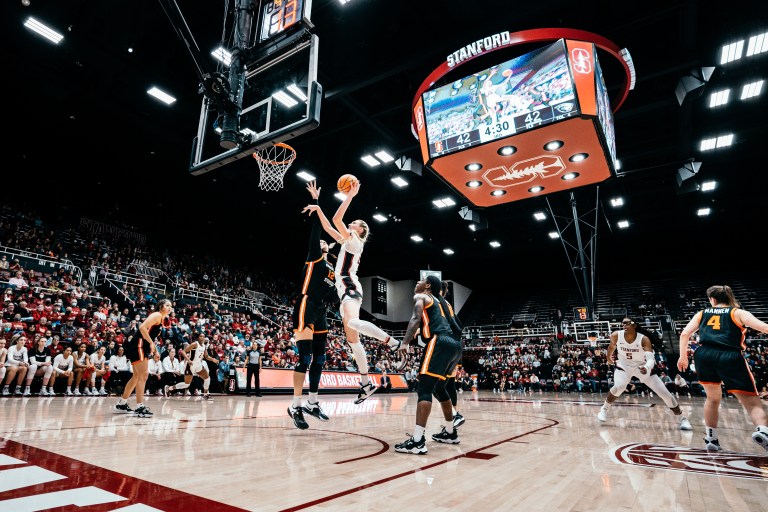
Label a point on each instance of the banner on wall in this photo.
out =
(281, 378)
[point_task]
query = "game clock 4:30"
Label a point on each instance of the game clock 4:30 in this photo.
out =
(277, 16)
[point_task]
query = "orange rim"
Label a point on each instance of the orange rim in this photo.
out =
(274, 162)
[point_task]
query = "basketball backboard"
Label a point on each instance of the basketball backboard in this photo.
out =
(281, 100)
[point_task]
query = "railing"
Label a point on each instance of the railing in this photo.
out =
(117, 279)
(41, 262)
(221, 300)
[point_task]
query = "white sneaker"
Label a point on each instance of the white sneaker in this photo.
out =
(760, 438)
(69, 392)
(27, 392)
(712, 445)
(102, 392)
(603, 414)
(6, 391)
(364, 391)
(685, 424)
(43, 392)
(87, 391)
(77, 392)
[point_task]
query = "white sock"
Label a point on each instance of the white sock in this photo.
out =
(711, 432)
(453, 410)
(313, 398)
(122, 401)
(607, 404)
(449, 427)
(418, 432)
(139, 406)
(367, 328)
(296, 402)
(361, 360)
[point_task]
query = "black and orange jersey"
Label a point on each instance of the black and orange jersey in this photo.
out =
(718, 328)
(318, 275)
(433, 319)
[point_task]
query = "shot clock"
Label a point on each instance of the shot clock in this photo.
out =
(278, 17)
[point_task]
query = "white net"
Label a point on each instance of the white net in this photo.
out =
(273, 162)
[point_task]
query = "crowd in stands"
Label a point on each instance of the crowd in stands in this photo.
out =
(67, 311)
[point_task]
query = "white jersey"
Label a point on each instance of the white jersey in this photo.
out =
(630, 354)
(62, 364)
(82, 359)
(197, 359)
(16, 356)
(97, 361)
(346, 267)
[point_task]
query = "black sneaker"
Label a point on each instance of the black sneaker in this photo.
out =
(298, 418)
(315, 410)
(123, 408)
(410, 445)
(445, 437)
(458, 420)
(143, 412)
(364, 391)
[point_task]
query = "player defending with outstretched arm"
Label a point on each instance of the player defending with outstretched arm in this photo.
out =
(720, 360)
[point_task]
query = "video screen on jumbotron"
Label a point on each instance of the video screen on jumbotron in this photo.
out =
(604, 113)
(512, 97)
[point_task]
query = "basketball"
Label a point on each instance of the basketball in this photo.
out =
(345, 183)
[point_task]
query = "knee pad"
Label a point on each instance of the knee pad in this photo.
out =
(425, 388)
(301, 367)
(320, 360)
(615, 391)
(316, 366)
(441, 394)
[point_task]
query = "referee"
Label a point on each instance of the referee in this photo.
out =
(253, 357)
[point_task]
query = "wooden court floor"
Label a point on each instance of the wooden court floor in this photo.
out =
(540, 452)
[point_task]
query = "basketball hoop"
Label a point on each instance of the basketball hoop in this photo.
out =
(273, 162)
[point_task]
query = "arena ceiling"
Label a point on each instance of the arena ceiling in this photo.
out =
(85, 140)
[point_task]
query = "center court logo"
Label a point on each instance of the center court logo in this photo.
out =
(692, 460)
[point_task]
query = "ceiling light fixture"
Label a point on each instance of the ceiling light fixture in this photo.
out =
(286, 100)
(553, 235)
(570, 176)
(448, 251)
(384, 157)
(623, 224)
(498, 192)
(539, 216)
(536, 189)
(703, 212)
(494, 244)
(162, 96)
(221, 54)
(757, 44)
(507, 150)
(474, 183)
(400, 182)
(708, 186)
(294, 89)
(305, 176)
(473, 167)
(43, 30)
(617, 201)
(444, 202)
(370, 161)
(379, 217)
(416, 238)
(751, 90)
